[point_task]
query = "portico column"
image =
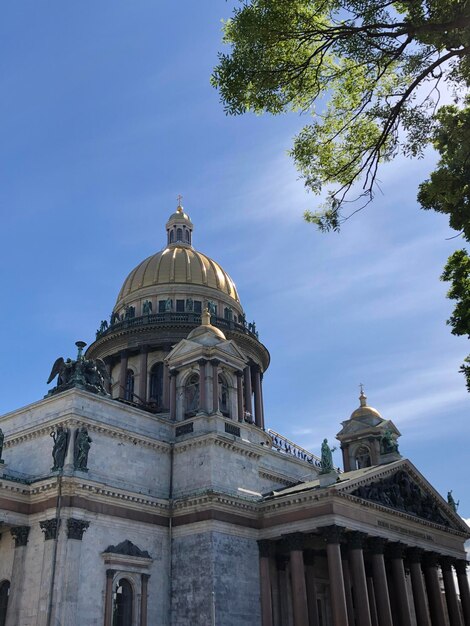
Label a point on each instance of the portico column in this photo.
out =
(461, 569)
(356, 541)
(332, 536)
(257, 381)
(430, 565)
(143, 374)
(20, 535)
(379, 575)
(202, 385)
(173, 374)
(108, 599)
(451, 596)
(215, 385)
(240, 396)
(122, 373)
(248, 393)
(283, 589)
(417, 584)
(144, 578)
(309, 560)
(295, 544)
(265, 554)
(397, 552)
(347, 584)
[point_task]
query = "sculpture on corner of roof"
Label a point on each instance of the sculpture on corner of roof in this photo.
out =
(87, 374)
(450, 500)
(389, 444)
(326, 463)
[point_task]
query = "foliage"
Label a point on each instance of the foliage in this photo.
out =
(378, 62)
(457, 271)
(448, 188)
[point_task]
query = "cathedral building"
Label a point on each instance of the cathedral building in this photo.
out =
(145, 488)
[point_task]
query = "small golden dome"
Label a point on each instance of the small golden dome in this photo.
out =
(206, 333)
(363, 410)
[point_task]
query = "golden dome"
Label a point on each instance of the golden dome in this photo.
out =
(363, 410)
(178, 264)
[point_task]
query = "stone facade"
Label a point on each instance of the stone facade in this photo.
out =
(186, 510)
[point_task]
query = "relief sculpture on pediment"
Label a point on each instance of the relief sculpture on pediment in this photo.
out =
(400, 492)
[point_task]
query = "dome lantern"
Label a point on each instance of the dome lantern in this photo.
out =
(179, 227)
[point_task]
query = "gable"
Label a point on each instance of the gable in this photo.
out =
(407, 491)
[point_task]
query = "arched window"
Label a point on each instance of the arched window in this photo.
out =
(179, 234)
(156, 384)
(363, 457)
(123, 604)
(172, 236)
(4, 593)
(191, 395)
(223, 396)
(188, 237)
(129, 389)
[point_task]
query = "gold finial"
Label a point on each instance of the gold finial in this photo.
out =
(179, 208)
(362, 396)
(206, 318)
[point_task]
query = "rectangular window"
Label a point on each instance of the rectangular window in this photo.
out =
(161, 306)
(197, 306)
(180, 306)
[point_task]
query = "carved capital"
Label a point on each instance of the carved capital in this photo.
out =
(461, 567)
(174, 373)
(294, 542)
(20, 535)
(202, 362)
(266, 548)
(431, 559)
(376, 545)
(50, 528)
(332, 534)
(215, 362)
(356, 540)
(76, 528)
(144, 578)
(110, 573)
(396, 550)
(446, 563)
(238, 374)
(415, 555)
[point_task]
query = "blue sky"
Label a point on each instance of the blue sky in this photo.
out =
(107, 114)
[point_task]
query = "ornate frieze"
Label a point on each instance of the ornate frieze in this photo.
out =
(50, 528)
(76, 528)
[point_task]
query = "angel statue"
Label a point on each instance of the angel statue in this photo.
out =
(89, 374)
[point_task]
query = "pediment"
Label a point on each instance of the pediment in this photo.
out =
(400, 487)
(373, 425)
(127, 548)
(186, 350)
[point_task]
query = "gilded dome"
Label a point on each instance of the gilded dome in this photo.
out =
(364, 410)
(177, 264)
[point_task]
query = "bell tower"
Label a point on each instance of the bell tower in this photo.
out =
(367, 438)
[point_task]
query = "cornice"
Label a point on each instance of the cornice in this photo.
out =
(277, 477)
(70, 420)
(217, 439)
(210, 498)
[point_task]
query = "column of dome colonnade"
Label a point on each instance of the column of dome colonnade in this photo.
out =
(293, 571)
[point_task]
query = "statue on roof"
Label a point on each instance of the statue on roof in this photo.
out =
(388, 443)
(326, 462)
(88, 374)
(147, 307)
(450, 501)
